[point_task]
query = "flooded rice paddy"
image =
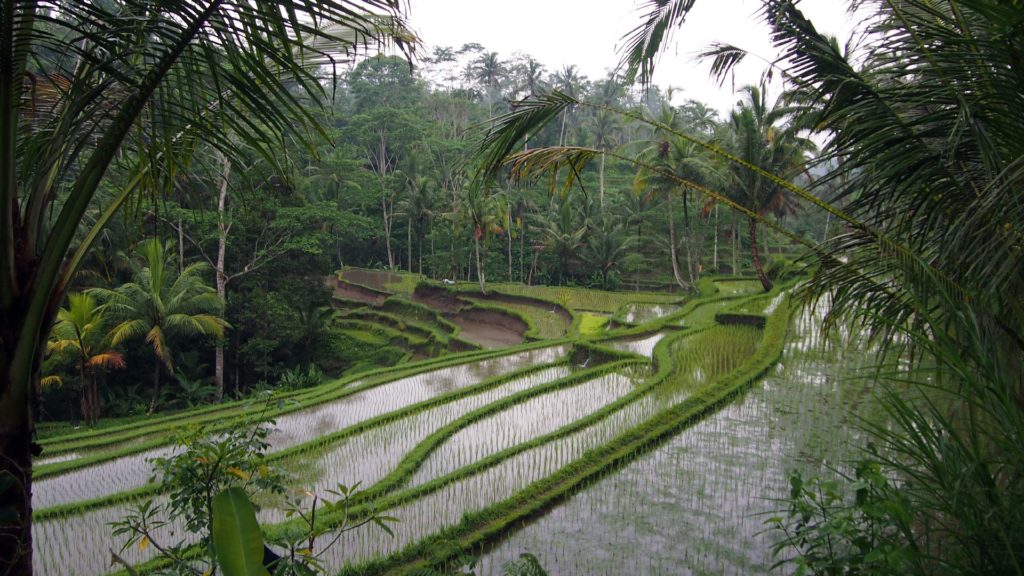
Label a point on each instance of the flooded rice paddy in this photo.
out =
(474, 435)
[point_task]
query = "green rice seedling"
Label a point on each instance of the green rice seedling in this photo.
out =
(698, 503)
(133, 471)
(591, 324)
(370, 456)
(520, 423)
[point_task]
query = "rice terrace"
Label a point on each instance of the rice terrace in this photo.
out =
(469, 447)
(465, 288)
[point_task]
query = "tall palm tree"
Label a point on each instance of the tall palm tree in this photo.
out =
(569, 81)
(759, 136)
(417, 205)
(607, 247)
(162, 306)
(80, 334)
(86, 85)
(563, 232)
(489, 71)
(669, 162)
(480, 208)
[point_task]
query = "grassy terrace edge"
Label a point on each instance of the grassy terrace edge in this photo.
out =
(313, 397)
(312, 445)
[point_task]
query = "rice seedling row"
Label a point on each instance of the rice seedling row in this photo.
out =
(95, 520)
(89, 438)
(369, 456)
(491, 520)
(698, 504)
(521, 423)
(133, 471)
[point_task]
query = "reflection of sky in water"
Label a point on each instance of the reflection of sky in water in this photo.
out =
(696, 505)
(640, 313)
(643, 346)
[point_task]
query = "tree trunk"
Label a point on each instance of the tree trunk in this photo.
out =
(16, 467)
(156, 388)
(479, 266)
(676, 275)
(408, 242)
(765, 282)
(533, 268)
(181, 245)
(735, 236)
(28, 312)
(601, 182)
(221, 274)
(714, 258)
(387, 228)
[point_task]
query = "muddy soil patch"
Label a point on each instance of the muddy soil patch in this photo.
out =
(357, 293)
(438, 299)
(489, 328)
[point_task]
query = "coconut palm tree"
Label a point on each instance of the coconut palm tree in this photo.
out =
(80, 335)
(607, 247)
(417, 205)
(480, 209)
(758, 135)
(162, 306)
(669, 163)
(84, 86)
(569, 81)
(925, 142)
(562, 232)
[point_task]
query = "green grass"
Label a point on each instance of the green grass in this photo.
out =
(591, 324)
(583, 298)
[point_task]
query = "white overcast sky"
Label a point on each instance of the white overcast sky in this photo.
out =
(588, 33)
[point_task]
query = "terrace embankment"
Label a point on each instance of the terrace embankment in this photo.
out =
(356, 292)
(487, 327)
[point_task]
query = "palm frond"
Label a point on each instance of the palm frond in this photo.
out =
(510, 129)
(645, 43)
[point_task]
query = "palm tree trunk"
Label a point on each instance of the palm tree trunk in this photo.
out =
(181, 245)
(156, 388)
(676, 275)
(765, 282)
(408, 242)
(479, 266)
(714, 258)
(735, 237)
(220, 273)
(601, 181)
(16, 447)
(387, 227)
(522, 251)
